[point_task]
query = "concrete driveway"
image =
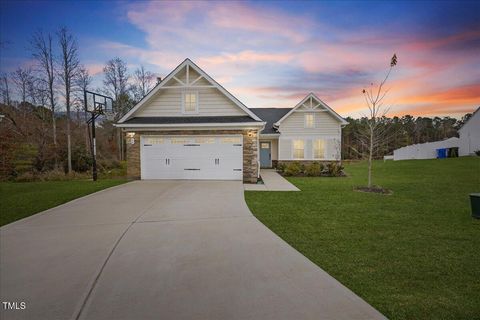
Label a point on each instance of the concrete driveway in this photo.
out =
(163, 250)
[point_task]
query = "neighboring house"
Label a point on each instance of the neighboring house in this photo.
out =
(470, 135)
(190, 127)
(424, 150)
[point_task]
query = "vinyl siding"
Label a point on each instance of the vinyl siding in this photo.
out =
(168, 103)
(325, 124)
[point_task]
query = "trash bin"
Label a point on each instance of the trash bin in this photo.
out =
(475, 202)
(442, 153)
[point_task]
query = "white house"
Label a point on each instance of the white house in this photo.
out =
(190, 127)
(470, 135)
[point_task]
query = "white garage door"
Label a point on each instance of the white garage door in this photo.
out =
(192, 157)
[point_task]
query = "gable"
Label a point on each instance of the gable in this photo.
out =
(167, 98)
(313, 105)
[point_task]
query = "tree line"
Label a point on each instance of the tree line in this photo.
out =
(42, 121)
(397, 132)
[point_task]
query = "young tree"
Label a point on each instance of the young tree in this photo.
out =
(142, 83)
(42, 51)
(4, 88)
(69, 64)
(374, 98)
(22, 79)
(116, 85)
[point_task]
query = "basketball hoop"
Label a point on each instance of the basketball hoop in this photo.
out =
(96, 104)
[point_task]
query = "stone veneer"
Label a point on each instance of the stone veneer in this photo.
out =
(250, 149)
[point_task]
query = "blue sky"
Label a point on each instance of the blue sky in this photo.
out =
(271, 54)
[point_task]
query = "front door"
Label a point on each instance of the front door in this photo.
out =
(265, 154)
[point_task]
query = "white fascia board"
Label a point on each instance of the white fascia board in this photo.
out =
(202, 73)
(190, 125)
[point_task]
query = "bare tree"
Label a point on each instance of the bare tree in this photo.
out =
(69, 64)
(374, 98)
(83, 81)
(142, 83)
(116, 85)
(42, 51)
(4, 88)
(22, 79)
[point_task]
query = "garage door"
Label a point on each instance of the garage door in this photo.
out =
(192, 157)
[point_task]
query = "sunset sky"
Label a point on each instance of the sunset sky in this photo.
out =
(271, 54)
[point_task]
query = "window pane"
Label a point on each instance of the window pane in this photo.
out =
(319, 149)
(309, 120)
(298, 149)
(190, 102)
(229, 140)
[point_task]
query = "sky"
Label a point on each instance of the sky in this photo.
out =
(272, 53)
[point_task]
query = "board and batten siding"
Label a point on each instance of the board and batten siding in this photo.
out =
(168, 103)
(326, 127)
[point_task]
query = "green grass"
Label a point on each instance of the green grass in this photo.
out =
(23, 199)
(412, 255)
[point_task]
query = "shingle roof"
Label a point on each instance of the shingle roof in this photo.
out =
(270, 115)
(197, 119)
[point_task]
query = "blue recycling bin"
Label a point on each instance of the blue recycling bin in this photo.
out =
(442, 153)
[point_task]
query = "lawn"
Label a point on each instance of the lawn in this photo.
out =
(22, 199)
(412, 255)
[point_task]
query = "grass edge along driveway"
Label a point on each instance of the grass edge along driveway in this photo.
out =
(22, 199)
(411, 255)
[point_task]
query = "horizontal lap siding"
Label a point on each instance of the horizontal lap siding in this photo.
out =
(168, 103)
(324, 124)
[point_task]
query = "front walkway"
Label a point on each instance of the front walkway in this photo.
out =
(163, 250)
(272, 181)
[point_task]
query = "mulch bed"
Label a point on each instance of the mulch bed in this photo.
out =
(374, 189)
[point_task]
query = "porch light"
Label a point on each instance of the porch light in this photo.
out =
(130, 134)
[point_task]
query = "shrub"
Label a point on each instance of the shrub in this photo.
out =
(281, 167)
(293, 169)
(333, 169)
(477, 153)
(26, 177)
(314, 170)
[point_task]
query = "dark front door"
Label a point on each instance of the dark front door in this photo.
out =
(265, 154)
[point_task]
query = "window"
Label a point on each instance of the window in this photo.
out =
(205, 140)
(298, 149)
(265, 145)
(180, 141)
(154, 140)
(319, 149)
(309, 120)
(190, 102)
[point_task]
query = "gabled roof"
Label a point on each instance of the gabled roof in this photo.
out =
(270, 115)
(475, 113)
(190, 64)
(319, 103)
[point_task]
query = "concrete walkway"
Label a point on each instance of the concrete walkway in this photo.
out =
(163, 250)
(272, 181)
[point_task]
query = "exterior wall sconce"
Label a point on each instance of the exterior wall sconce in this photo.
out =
(251, 133)
(131, 137)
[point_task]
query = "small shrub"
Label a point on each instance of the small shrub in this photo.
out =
(314, 170)
(281, 167)
(477, 153)
(293, 169)
(333, 169)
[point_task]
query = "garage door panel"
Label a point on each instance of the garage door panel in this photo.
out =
(192, 157)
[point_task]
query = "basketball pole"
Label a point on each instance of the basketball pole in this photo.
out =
(94, 146)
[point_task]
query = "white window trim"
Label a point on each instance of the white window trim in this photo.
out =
(293, 149)
(196, 102)
(305, 121)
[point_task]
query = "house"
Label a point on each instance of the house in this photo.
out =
(470, 135)
(190, 127)
(425, 150)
